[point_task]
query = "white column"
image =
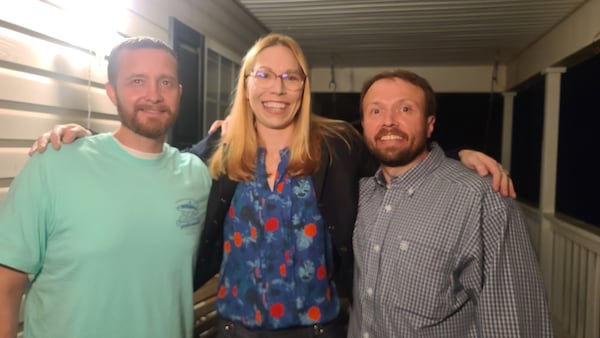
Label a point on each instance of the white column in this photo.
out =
(548, 175)
(507, 126)
(550, 139)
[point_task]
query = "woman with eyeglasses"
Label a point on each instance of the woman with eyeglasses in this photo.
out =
(282, 208)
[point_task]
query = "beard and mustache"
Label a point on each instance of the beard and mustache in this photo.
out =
(397, 155)
(150, 127)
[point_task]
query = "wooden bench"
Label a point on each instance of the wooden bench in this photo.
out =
(205, 313)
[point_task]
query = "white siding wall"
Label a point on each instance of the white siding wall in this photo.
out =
(49, 76)
(44, 81)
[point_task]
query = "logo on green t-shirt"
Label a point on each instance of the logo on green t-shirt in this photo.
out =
(189, 215)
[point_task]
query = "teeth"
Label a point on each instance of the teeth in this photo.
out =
(390, 137)
(274, 105)
(151, 110)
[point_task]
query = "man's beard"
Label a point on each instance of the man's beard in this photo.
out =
(152, 128)
(392, 157)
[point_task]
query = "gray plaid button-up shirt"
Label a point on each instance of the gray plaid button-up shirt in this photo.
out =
(439, 254)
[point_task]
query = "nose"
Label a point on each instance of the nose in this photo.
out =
(153, 92)
(278, 85)
(388, 117)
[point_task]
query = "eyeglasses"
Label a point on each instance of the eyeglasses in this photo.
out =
(266, 79)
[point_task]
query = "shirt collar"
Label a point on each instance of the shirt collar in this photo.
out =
(414, 177)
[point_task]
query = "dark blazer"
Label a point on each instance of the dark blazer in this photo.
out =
(336, 186)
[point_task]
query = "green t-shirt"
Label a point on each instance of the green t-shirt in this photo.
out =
(109, 239)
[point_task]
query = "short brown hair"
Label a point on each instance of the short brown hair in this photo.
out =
(139, 42)
(430, 100)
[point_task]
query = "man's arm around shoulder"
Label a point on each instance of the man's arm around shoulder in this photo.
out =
(12, 288)
(206, 147)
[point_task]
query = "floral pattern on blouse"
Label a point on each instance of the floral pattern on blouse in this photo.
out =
(277, 253)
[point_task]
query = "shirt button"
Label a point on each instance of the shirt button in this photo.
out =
(370, 291)
(377, 248)
(388, 208)
(403, 245)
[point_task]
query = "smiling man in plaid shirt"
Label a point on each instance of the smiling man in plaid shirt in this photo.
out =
(437, 252)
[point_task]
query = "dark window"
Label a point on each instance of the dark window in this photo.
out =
(341, 106)
(472, 120)
(577, 186)
(189, 46)
(528, 120)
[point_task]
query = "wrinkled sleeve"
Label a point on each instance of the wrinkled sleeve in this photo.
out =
(511, 302)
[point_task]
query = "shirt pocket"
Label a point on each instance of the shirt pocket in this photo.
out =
(421, 279)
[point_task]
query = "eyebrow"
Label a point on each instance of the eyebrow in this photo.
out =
(143, 75)
(402, 100)
(297, 70)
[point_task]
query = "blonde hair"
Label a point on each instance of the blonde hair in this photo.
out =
(236, 153)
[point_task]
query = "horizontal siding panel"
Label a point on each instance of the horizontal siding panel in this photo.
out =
(24, 125)
(34, 89)
(62, 26)
(11, 161)
(25, 50)
(141, 26)
(104, 126)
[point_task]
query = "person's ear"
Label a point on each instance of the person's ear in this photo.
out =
(110, 91)
(430, 125)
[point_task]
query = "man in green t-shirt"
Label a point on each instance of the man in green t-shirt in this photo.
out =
(101, 236)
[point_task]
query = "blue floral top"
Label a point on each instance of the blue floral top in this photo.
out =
(277, 254)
